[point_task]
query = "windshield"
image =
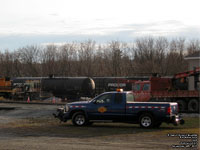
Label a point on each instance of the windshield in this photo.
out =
(146, 87)
(136, 87)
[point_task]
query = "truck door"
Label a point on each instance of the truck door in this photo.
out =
(137, 91)
(100, 108)
(145, 92)
(118, 108)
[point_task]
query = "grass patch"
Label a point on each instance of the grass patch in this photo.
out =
(52, 127)
(114, 135)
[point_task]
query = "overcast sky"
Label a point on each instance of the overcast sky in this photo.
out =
(27, 22)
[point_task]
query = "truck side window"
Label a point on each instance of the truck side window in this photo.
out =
(106, 98)
(129, 97)
(118, 98)
(146, 87)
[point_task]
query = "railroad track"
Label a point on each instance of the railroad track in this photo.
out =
(32, 103)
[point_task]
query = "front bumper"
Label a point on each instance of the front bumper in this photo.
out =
(61, 115)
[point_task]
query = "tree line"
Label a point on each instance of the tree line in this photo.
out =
(142, 57)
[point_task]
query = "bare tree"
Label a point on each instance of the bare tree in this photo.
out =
(175, 57)
(29, 58)
(143, 56)
(193, 46)
(85, 55)
(49, 58)
(6, 61)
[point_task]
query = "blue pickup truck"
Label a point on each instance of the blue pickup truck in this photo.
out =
(119, 106)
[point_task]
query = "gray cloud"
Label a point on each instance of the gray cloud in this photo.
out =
(54, 14)
(126, 33)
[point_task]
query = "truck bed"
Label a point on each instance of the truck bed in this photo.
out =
(155, 107)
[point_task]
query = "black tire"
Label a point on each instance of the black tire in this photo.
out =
(146, 120)
(79, 119)
(193, 105)
(181, 105)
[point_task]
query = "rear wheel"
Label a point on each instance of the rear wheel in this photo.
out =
(79, 119)
(193, 105)
(181, 105)
(146, 120)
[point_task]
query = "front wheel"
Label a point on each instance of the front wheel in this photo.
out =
(146, 120)
(79, 119)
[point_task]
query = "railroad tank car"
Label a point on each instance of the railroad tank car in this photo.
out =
(69, 87)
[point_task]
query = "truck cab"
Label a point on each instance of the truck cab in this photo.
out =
(109, 106)
(142, 91)
(156, 87)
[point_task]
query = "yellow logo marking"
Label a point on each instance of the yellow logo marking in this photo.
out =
(102, 109)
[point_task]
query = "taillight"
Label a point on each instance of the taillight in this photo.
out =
(169, 110)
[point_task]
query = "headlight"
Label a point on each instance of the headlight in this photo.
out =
(66, 108)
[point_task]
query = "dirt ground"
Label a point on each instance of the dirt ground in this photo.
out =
(32, 127)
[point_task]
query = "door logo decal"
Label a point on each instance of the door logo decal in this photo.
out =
(102, 109)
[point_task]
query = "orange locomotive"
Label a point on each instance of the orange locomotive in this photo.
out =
(5, 87)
